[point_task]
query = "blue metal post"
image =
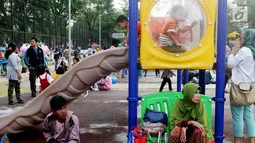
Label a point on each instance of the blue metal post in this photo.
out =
(220, 76)
(133, 78)
(179, 80)
(202, 77)
(186, 76)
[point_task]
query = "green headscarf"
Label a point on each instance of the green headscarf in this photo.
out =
(249, 40)
(186, 110)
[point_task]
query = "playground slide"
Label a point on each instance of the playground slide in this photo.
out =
(70, 86)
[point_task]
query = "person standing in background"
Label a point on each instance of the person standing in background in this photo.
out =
(66, 54)
(14, 74)
(157, 72)
(34, 58)
(166, 79)
(57, 56)
(242, 62)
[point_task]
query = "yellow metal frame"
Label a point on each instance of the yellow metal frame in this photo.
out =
(200, 57)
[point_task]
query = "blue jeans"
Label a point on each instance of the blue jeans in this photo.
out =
(240, 114)
(123, 73)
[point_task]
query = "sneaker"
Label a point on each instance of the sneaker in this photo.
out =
(20, 101)
(86, 94)
(11, 103)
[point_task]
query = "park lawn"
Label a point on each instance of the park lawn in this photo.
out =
(4, 90)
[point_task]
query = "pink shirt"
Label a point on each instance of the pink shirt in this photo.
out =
(107, 83)
(187, 36)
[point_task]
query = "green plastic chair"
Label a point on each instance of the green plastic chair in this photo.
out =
(164, 102)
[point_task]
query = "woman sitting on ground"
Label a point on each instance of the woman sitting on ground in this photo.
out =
(62, 68)
(105, 84)
(188, 119)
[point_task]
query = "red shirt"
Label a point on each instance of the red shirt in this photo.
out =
(138, 30)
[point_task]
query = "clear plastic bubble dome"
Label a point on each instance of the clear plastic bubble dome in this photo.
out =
(177, 25)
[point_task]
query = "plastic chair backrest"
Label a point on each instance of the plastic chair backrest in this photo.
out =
(164, 102)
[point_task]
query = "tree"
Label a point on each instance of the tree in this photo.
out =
(125, 7)
(42, 18)
(90, 13)
(251, 16)
(251, 13)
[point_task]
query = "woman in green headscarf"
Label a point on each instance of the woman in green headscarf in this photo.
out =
(188, 122)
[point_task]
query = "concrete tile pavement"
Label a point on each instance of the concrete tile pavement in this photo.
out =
(111, 125)
(104, 118)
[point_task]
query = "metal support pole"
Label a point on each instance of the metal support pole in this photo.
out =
(69, 33)
(100, 24)
(34, 29)
(42, 27)
(186, 76)
(49, 34)
(80, 36)
(12, 21)
(24, 20)
(56, 34)
(202, 81)
(133, 77)
(220, 76)
(179, 80)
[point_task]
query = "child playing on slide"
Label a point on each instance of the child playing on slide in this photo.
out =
(105, 84)
(45, 78)
(123, 22)
(174, 29)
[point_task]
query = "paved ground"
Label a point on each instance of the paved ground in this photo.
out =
(104, 115)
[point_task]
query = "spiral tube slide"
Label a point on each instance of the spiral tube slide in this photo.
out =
(70, 86)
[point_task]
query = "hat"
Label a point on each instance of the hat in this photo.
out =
(57, 102)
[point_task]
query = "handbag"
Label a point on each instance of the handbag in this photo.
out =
(242, 94)
(155, 123)
(152, 116)
(155, 129)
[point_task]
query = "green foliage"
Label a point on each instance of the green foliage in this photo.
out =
(251, 17)
(251, 14)
(90, 13)
(47, 20)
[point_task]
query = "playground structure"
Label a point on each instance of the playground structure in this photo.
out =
(76, 81)
(220, 76)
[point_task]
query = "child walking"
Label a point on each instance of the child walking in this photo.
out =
(45, 78)
(166, 79)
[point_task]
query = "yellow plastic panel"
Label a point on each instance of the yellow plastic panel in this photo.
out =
(162, 18)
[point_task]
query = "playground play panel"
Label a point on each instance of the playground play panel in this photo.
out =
(191, 23)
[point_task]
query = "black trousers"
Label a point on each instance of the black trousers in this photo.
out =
(157, 72)
(32, 79)
(166, 80)
(226, 80)
(145, 73)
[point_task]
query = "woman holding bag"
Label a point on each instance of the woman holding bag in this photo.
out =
(242, 62)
